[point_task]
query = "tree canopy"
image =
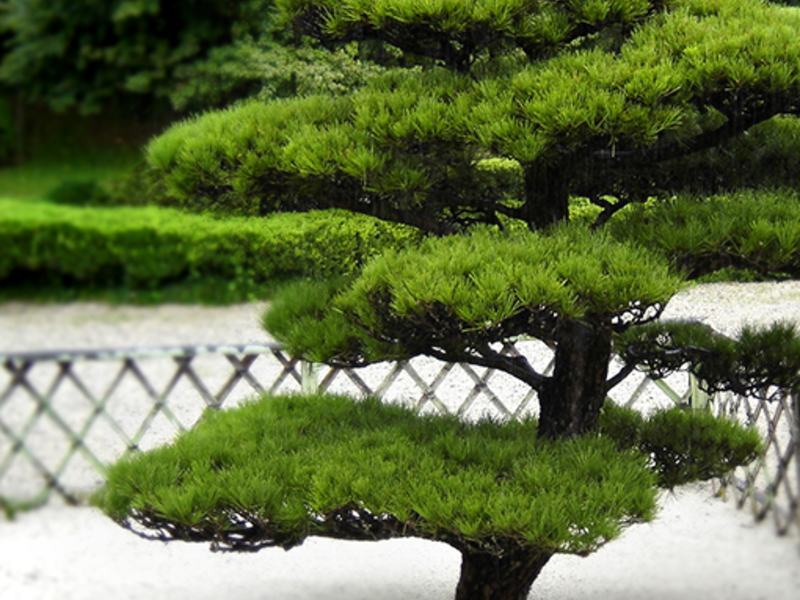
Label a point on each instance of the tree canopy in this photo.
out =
(616, 89)
(511, 107)
(334, 467)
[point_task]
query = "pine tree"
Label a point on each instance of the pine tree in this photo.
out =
(498, 113)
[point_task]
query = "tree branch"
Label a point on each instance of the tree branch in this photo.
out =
(609, 210)
(737, 121)
(517, 366)
(621, 375)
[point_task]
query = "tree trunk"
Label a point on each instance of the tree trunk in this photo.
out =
(485, 576)
(546, 196)
(571, 400)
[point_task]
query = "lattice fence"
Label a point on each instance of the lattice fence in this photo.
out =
(770, 486)
(65, 415)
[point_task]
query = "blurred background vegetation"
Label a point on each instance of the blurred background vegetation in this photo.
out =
(85, 84)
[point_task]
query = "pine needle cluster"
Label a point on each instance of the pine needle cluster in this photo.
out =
(461, 292)
(759, 361)
(634, 84)
(281, 469)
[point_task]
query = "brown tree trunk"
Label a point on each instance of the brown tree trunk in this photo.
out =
(571, 400)
(485, 576)
(546, 195)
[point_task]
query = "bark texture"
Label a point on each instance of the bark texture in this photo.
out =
(487, 576)
(572, 398)
(546, 196)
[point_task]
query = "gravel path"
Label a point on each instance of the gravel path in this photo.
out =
(724, 306)
(699, 547)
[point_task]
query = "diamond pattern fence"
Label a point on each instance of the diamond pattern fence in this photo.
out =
(65, 415)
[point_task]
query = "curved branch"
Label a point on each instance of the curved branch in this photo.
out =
(516, 366)
(620, 376)
(609, 210)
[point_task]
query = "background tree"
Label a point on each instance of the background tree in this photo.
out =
(266, 69)
(83, 53)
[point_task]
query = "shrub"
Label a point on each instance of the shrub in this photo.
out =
(79, 192)
(149, 246)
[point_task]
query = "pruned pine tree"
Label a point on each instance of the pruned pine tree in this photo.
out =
(462, 298)
(507, 496)
(575, 97)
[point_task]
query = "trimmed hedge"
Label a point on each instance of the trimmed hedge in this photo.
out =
(146, 247)
(149, 246)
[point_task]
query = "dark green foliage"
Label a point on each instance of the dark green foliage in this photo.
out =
(79, 193)
(258, 158)
(683, 445)
(83, 53)
(8, 131)
(301, 316)
(757, 231)
(639, 84)
(690, 446)
(756, 362)
(149, 246)
(451, 297)
(767, 155)
(137, 187)
(295, 470)
(263, 69)
(459, 33)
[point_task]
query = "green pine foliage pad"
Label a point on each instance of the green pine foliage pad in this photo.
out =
(290, 464)
(684, 445)
(460, 292)
(756, 361)
(411, 139)
(752, 230)
(280, 469)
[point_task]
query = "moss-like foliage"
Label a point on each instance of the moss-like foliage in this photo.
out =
(278, 470)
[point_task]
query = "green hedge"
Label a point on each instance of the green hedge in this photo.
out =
(146, 247)
(149, 246)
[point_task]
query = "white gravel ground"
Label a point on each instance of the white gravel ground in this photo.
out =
(699, 546)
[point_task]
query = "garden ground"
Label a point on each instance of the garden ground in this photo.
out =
(698, 548)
